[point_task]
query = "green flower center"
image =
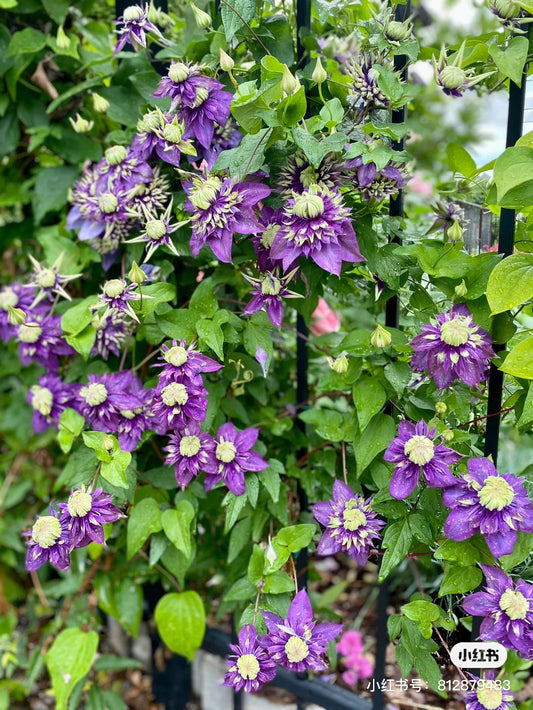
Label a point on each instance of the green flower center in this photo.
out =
(489, 696)
(308, 176)
(46, 531)
(496, 493)
(149, 122)
(353, 518)
(176, 356)
(80, 503)
(116, 154)
(270, 286)
(189, 446)
(507, 8)
(514, 604)
(308, 205)
(248, 666)
(132, 13)
(419, 449)
(174, 393)
(397, 31)
(225, 451)
(173, 133)
(296, 649)
(201, 95)
(178, 72)
(267, 238)
(452, 77)
(8, 298)
(42, 399)
(156, 229)
(206, 193)
(456, 331)
(30, 333)
(108, 203)
(46, 278)
(114, 288)
(94, 394)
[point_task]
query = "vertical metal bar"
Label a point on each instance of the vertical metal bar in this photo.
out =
(303, 19)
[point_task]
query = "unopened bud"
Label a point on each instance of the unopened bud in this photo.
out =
(107, 441)
(289, 83)
(398, 31)
(81, 125)
(461, 290)
(507, 9)
(15, 316)
(271, 553)
(203, 19)
(62, 40)
(380, 337)
(452, 77)
(455, 232)
(136, 274)
(448, 435)
(338, 364)
(441, 408)
(226, 62)
(319, 74)
(100, 104)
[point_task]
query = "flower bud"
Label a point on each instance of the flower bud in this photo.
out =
(289, 83)
(81, 125)
(455, 232)
(398, 31)
(507, 9)
(15, 316)
(441, 408)
(271, 553)
(203, 19)
(461, 290)
(226, 62)
(452, 77)
(62, 40)
(136, 275)
(107, 441)
(338, 364)
(319, 74)
(448, 435)
(380, 337)
(100, 104)
(133, 13)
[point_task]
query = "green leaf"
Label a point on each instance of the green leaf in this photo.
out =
(521, 551)
(234, 14)
(424, 613)
(180, 620)
(70, 425)
(516, 269)
(9, 131)
(316, 150)
(459, 579)
(176, 525)
(180, 323)
(211, 334)
(278, 583)
(144, 519)
(50, 192)
(328, 423)
(108, 662)
(369, 397)
(511, 60)
(292, 109)
(122, 598)
(375, 438)
(519, 362)
(397, 541)
(271, 479)
(389, 82)
(460, 160)
(78, 317)
(57, 9)
(248, 157)
(240, 591)
(68, 660)
(97, 441)
(513, 177)
(27, 41)
(203, 301)
(114, 471)
(465, 553)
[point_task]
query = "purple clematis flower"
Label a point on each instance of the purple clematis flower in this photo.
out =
(17, 296)
(297, 643)
(416, 450)
(116, 296)
(177, 402)
(211, 108)
(49, 399)
(351, 524)
(298, 174)
(219, 208)
(112, 331)
(189, 451)
(507, 606)
(483, 501)
(233, 457)
(453, 347)
(488, 695)
(268, 293)
(365, 86)
(373, 183)
(133, 26)
(315, 224)
(181, 363)
(49, 542)
(41, 340)
(103, 399)
(182, 83)
(84, 515)
(120, 169)
(250, 665)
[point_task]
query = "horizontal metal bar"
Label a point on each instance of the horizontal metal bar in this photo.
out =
(330, 697)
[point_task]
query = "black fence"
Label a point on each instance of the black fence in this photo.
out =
(173, 686)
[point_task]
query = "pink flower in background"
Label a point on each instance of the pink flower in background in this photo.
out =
(357, 665)
(419, 186)
(325, 320)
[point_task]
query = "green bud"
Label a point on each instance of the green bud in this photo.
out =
(226, 62)
(448, 435)
(441, 408)
(338, 364)
(136, 275)
(81, 125)
(289, 83)
(203, 19)
(380, 337)
(62, 40)
(319, 73)
(455, 232)
(452, 77)
(507, 9)
(461, 290)
(15, 316)
(100, 104)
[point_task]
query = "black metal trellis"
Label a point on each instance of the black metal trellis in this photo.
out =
(173, 685)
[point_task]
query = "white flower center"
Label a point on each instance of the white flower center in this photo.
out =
(452, 77)
(132, 13)
(30, 333)
(156, 229)
(225, 451)
(489, 696)
(114, 288)
(248, 666)
(174, 393)
(8, 298)
(176, 356)
(353, 517)
(46, 531)
(46, 278)
(296, 649)
(94, 394)
(189, 446)
(514, 604)
(308, 205)
(456, 331)
(178, 72)
(419, 449)
(42, 399)
(80, 503)
(496, 493)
